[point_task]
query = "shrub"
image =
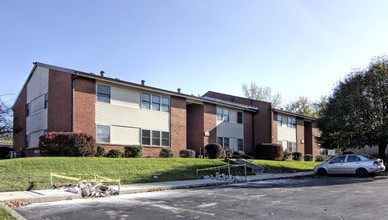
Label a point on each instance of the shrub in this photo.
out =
(115, 153)
(214, 151)
(269, 151)
(67, 144)
(297, 156)
(239, 153)
(166, 153)
(100, 151)
(4, 152)
(308, 157)
(321, 157)
(286, 154)
(133, 151)
(229, 152)
(188, 153)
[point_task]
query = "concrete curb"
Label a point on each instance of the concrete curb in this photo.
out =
(12, 212)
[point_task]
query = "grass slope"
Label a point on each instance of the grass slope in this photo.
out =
(4, 215)
(34, 173)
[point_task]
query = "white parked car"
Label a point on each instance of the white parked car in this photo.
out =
(361, 165)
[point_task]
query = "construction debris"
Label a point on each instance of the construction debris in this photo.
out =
(223, 177)
(93, 190)
(15, 204)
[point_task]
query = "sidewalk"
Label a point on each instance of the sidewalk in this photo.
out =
(51, 195)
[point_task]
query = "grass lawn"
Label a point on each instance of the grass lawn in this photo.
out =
(273, 166)
(5, 215)
(34, 173)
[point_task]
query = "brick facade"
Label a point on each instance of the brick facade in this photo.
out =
(300, 136)
(248, 131)
(178, 124)
(19, 121)
(195, 127)
(148, 151)
(59, 111)
(210, 123)
(84, 106)
(274, 129)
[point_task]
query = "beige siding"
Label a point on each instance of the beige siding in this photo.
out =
(36, 122)
(125, 135)
(125, 116)
(230, 129)
(285, 133)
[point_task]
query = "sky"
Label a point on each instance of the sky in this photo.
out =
(297, 48)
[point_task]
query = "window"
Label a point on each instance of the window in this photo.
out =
(156, 103)
(156, 138)
(45, 100)
(280, 122)
(103, 93)
(165, 138)
(353, 159)
(225, 114)
(240, 144)
(339, 159)
(291, 122)
(27, 140)
(239, 117)
(146, 137)
(165, 104)
(28, 109)
(291, 146)
(219, 114)
(146, 101)
(103, 133)
(220, 141)
(226, 142)
(222, 114)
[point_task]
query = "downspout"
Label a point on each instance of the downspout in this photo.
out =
(72, 100)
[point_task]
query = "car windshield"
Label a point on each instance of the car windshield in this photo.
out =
(369, 156)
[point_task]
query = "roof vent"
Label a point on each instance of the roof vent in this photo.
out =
(102, 73)
(143, 82)
(179, 90)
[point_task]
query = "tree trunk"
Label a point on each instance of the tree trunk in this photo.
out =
(382, 147)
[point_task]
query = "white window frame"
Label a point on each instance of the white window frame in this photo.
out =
(161, 106)
(109, 135)
(103, 94)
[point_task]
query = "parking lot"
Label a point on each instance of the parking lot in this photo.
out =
(339, 197)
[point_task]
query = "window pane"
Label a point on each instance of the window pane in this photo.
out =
(156, 138)
(155, 99)
(240, 144)
(103, 133)
(219, 140)
(103, 93)
(146, 140)
(103, 98)
(239, 117)
(280, 123)
(219, 110)
(103, 89)
(219, 117)
(165, 101)
(145, 105)
(165, 108)
(226, 117)
(165, 138)
(155, 103)
(226, 142)
(146, 97)
(165, 134)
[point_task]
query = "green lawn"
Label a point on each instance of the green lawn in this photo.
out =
(4, 215)
(34, 173)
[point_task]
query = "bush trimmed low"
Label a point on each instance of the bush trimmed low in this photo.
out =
(135, 151)
(166, 153)
(115, 153)
(214, 151)
(308, 157)
(101, 152)
(321, 157)
(188, 153)
(286, 154)
(269, 151)
(297, 156)
(67, 144)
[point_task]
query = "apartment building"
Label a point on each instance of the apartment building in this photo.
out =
(119, 113)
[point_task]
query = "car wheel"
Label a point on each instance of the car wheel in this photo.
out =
(362, 172)
(322, 172)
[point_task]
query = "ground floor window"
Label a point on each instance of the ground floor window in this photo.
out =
(155, 138)
(291, 146)
(103, 133)
(240, 145)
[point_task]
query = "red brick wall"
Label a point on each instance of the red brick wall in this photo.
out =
(178, 125)
(308, 138)
(59, 110)
(84, 105)
(300, 134)
(210, 123)
(248, 131)
(149, 151)
(195, 127)
(19, 121)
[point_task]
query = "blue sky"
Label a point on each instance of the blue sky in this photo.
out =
(297, 48)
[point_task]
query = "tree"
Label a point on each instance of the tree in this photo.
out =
(5, 118)
(356, 113)
(261, 94)
(305, 107)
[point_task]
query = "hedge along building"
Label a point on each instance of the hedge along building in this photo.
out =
(119, 113)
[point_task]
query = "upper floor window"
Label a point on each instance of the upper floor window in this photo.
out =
(280, 122)
(239, 117)
(28, 109)
(291, 122)
(222, 114)
(103, 133)
(103, 93)
(45, 100)
(155, 102)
